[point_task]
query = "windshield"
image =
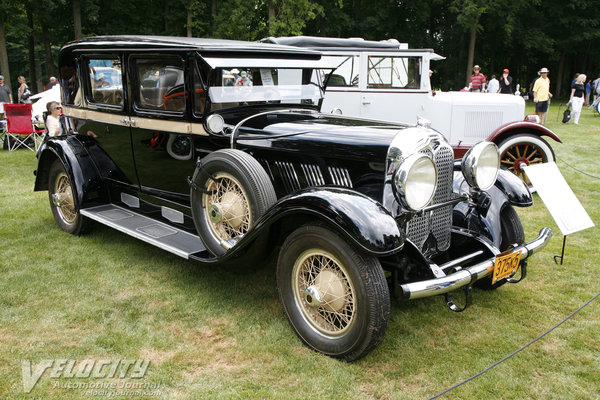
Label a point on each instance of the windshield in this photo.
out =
(250, 85)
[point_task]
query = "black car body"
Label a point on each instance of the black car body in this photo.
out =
(214, 150)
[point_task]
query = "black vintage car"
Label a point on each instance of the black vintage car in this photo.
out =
(214, 150)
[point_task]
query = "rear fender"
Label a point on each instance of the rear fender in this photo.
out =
(87, 182)
(516, 127)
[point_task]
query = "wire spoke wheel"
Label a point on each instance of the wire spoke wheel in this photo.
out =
(335, 296)
(324, 292)
(63, 199)
(522, 150)
(227, 208)
(64, 202)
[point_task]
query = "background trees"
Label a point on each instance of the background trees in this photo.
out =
(522, 35)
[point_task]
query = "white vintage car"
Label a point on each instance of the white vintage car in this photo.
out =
(385, 80)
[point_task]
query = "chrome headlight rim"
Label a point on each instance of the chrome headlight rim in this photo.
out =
(480, 165)
(403, 175)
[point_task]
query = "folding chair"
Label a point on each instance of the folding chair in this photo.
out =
(19, 128)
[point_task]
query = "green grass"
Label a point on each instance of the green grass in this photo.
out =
(221, 333)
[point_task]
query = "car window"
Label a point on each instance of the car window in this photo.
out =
(161, 84)
(347, 74)
(69, 77)
(249, 86)
(105, 77)
(394, 72)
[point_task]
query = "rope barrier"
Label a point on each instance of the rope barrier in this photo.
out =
(517, 351)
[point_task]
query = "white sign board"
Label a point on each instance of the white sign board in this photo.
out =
(555, 192)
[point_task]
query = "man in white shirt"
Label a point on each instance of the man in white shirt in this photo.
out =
(493, 85)
(52, 124)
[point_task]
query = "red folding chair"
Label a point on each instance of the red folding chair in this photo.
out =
(20, 131)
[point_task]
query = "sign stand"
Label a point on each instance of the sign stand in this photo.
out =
(562, 254)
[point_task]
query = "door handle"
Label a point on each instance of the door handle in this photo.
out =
(124, 121)
(366, 102)
(132, 122)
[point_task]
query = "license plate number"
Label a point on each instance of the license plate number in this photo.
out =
(506, 265)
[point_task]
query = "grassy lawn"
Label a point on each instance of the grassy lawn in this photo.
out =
(221, 333)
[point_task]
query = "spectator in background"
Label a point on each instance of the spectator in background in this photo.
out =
(574, 78)
(588, 91)
(542, 95)
(24, 92)
(5, 94)
(52, 124)
(494, 85)
(51, 83)
(577, 97)
(506, 82)
(596, 86)
(477, 82)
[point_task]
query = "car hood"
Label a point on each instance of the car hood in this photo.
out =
(329, 136)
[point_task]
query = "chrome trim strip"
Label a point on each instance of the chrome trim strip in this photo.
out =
(138, 122)
(432, 287)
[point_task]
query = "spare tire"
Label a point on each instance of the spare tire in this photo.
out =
(230, 191)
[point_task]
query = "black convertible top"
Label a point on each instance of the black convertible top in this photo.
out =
(199, 44)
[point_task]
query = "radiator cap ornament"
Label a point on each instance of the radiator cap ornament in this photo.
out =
(423, 122)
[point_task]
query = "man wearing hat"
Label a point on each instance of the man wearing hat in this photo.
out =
(506, 82)
(542, 95)
(477, 83)
(5, 94)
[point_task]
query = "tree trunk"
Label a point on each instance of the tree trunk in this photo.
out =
(77, 18)
(189, 21)
(213, 13)
(357, 18)
(4, 70)
(272, 13)
(31, 47)
(471, 55)
(560, 75)
(165, 18)
(49, 65)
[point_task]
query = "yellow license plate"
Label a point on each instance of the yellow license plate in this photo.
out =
(506, 265)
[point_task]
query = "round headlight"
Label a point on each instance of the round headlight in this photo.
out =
(480, 165)
(215, 123)
(415, 181)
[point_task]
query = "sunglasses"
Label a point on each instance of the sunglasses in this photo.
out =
(57, 108)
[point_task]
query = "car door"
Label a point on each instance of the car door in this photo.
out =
(343, 90)
(104, 113)
(161, 130)
(394, 89)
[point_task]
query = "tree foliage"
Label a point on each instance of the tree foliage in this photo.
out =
(522, 35)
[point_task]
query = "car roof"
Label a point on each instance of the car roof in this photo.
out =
(124, 42)
(342, 44)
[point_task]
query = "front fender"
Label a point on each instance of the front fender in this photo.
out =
(511, 128)
(356, 217)
(514, 188)
(465, 215)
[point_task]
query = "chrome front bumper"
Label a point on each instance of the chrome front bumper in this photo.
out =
(467, 276)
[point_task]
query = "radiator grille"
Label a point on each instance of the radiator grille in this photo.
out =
(480, 124)
(437, 222)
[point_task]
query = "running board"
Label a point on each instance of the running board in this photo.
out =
(147, 229)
